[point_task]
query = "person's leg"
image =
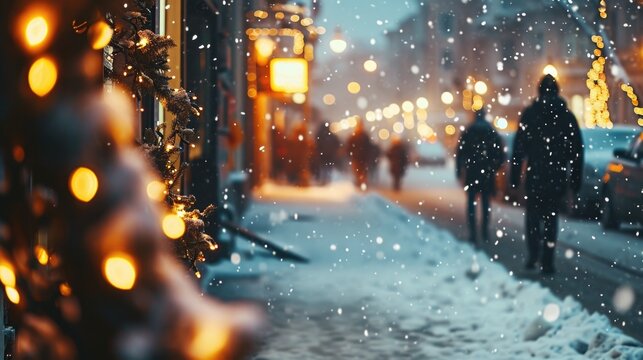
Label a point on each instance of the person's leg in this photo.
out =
(550, 237)
(532, 232)
(486, 214)
(471, 215)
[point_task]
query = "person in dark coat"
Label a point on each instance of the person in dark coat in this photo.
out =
(398, 161)
(326, 154)
(478, 158)
(549, 141)
(359, 148)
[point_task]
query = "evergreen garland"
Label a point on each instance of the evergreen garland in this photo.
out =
(141, 64)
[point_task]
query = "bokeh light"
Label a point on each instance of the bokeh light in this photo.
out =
(422, 103)
(329, 99)
(156, 190)
(119, 270)
(100, 34)
(12, 294)
(173, 226)
(449, 129)
(83, 184)
(370, 65)
(353, 87)
(210, 338)
(407, 106)
(447, 98)
(42, 76)
(480, 87)
(36, 31)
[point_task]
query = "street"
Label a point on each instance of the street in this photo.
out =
(591, 263)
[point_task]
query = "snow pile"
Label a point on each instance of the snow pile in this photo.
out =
(382, 284)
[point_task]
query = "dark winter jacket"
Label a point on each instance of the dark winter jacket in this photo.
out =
(549, 140)
(479, 156)
(398, 158)
(359, 147)
(326, 147)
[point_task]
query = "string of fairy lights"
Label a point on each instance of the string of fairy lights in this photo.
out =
(599, 93)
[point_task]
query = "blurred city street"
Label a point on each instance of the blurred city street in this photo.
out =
(321, 179)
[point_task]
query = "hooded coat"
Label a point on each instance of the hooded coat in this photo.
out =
(549, 141)
(479, 156)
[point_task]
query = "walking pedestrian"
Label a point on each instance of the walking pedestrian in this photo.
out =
(549, 141)
(478, 158)
(398, 161)
(326, 153)
(359, 148)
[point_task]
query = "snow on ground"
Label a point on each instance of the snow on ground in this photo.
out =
(382, 284)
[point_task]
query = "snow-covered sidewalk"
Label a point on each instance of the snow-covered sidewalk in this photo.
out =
(383, 284)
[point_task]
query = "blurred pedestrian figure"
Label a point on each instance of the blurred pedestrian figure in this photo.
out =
(478, 158)
(549, 140)
(359, 148)
(398, 160)
(299, 149)
(326, 154)
(375, 153)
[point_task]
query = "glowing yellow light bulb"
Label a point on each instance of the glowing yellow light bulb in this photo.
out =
(12, 294)
(42, 76)
(36, 31)
(100, 34)
(208, 341)
(173, 226)
(119, 270)
(353, 87)
(41, 255)
(83, 184)
(7, 276)
(156, 190)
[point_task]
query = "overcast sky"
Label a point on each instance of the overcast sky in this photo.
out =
(361, 20)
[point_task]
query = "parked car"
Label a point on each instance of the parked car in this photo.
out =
(427, 153)
(599, 145)
(622, 190)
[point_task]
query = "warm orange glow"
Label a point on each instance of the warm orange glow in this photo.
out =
(12, 294)
(289, 75)
(36, 31)
(264, 47)
(156, 190)
(173, 226)
(550, 70)
(65, 289)
(354, 87)
(329, 99)
(41, 255)
(449, 129)
(7, 276)
(83, 184)
(100, 34)
(616, 168)
(478, 103)
(209, 340)
(42, 76)
(119, 270)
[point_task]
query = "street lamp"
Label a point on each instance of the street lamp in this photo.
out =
(338, 44)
